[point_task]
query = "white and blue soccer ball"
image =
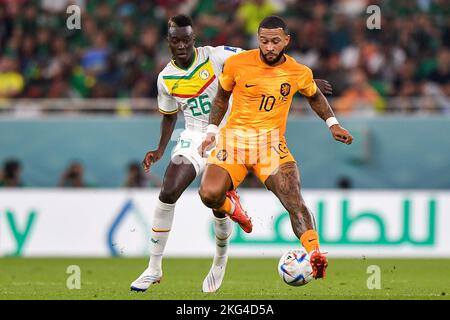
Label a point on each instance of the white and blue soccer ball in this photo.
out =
(294, 268)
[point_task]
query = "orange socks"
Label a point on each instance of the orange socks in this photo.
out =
(227, 207)
(310, 240)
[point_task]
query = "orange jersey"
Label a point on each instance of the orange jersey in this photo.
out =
(262, 94)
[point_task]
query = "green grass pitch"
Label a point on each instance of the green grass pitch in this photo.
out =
(32, 278)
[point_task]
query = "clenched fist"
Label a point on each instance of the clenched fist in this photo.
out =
(150, 158)
(341, 134)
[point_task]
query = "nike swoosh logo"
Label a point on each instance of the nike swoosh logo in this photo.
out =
(249, 85)
(311, 240)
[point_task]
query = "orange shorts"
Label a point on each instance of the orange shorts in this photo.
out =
(263, 161)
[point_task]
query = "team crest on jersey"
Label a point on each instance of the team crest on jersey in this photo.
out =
(285, 89)
(222, 155)
(282, 150)
(204, 74)
(190, 84)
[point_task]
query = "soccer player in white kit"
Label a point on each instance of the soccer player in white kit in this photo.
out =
(188, 82)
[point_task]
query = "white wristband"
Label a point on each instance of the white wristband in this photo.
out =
(212, 128)
(331, 121)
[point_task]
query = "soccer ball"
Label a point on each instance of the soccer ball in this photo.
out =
(294, 268)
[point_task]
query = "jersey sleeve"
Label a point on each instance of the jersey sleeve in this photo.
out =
(166, 103)
(227, 76)
(222, 53)
(306, 84)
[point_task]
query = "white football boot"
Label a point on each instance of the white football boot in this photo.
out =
(146, 279)
(215, 276)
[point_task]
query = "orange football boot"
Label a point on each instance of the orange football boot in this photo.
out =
(240, 215)
(319, 263)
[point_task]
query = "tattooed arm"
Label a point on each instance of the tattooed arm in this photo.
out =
(218, 111)
(320, 106)
(220, 106)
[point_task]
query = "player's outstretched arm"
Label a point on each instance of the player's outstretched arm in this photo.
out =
(320, 106)
(218, 111)
(167, 126)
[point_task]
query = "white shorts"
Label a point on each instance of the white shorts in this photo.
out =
(187, 146)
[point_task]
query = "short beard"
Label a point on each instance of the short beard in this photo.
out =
(273, 61)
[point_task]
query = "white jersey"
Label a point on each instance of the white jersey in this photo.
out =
(193, 89)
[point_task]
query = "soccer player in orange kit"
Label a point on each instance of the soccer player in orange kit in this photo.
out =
(263, 82)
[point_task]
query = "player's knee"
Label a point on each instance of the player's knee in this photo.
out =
(210, 196)
(168, 195)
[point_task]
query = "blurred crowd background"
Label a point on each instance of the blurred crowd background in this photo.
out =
(115, 57)
(121, 47)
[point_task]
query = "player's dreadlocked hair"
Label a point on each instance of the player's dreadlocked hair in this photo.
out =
(274, 22)
(180, 21)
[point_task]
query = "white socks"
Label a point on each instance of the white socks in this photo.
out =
(222, 229)
(162, 223)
